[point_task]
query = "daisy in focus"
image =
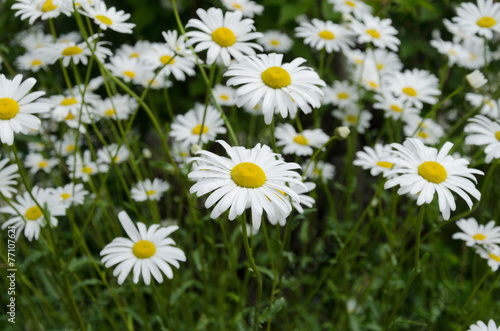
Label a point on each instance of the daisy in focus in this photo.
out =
(482, 19)
(275, 41)
(477, 234)
(278, 85)
(380, 32)
(325, 34)
(108, 17)
(8, 174)
(374, 159)
(38, 9)
(414, 86)
(149, 190)
(425, 171)
(299, 143)
(149, 251)
(481, 131)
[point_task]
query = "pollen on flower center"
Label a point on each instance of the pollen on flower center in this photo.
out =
(129, 74)
(70, 148)
(373, 33)
(224, 97)
(48, 6)
(72, 50)
(151, 192)
(325, 34)
(87, 170)
(432, 172)
(197, 129)
(422, 134)
(235, 5)
(33, 213)
(69, 117)
(35, 63)
(104, 19)
(144, 249)
(167, 59)
(43, 164)
(110, 112)
(479, 236)
(249, 175)
(350, 3)
(396, 108)
(274, 42)
(8, 108)
(494, 257)
(276, 77)
(385, 164)
(497, 135)
(486, 22)
(351, 118)
(65, 196)
(301, 140)
(410, 91)
(342, 95)
(224, 37)
(68, 102)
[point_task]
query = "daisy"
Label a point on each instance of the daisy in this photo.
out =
(395, 108)
(28, 216)
(84, 167)
(380, 32)
(415, 86)
(34, 38)
(474, 54)
(247, 7)
(160, 55)
(35, 9)
(118, 107)
(325, 34)
(341, 94)
(187, 128)
(224, 35)
(36, 162)
(224, 95)
(356, 7)
(490, 253)
(147, 252)
(374, 159)
(275, 41)
(482, 19)
(299, 143)
(481, 326)
(382, 61)
(489, 107)
(31, 61)
(62, 106)
(305, 200)
(353, 117)
(7, 177)
(264, 77)
(149, 190)
(428, 131)
(112, 154)
(17, 107)
(474, 233)
(251, 177)
(454, 52)
(126, 68)
(178, 44)
(319, 170)
(70, 194)
(425, 170)
(135, 51)
(108, 18)
(481, 131)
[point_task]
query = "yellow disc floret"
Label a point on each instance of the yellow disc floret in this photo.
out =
(224, 37)
(495, 257)
(373, 33)
(72, 50)
(167, 59)
(48, 6)
(248, 175)
(432, 172)
(144, 249)
(396, 108)
(68, 102)
(325, 34)
(197, 129)
(129, 74)
(65, 196)
(301, 140)
(385, 164)
(351, 119)
(8, 108)
(104, 19)
(276, 77)
(410, 91)
(342, 95)
(110, 112)
(151, 192)
(497, 135)
(486, 22)
(33, 213)
(479, 236)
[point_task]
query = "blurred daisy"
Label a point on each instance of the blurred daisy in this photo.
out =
(426, 171)
(299, 143)
(224, 95)
(319, 170)
(275, 41)
(352, 117)
(149, 190)
(118, 107)
(251, 177)
(481, 326)
(474, 54)
(325, 34)
(491, 253)
(481, 131)
(147, 252)
(84, 167)
(7, 177)
(36, 162)
(160, 55)
(34, 38)
(28, 216)
(386, 62)
(374, 159)
(247, 7)
(341, 94)
(224, 35)
(31, 61)
(134, 51)
(112, 154)
(482, 19)
(62, 106)
(489, 107)
(356, 7)
(38, 9)
(454, 52)
(395, 108)
(187, 128)
(17, 107)
(70, 194)
(415, 86)
(178, 44)
(428, 131)
(474, 233)
(126, 68)
(380, 32)
(278, 85)
(108, 17)
(305, 200)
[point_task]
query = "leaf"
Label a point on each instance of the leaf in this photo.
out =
(271, 311)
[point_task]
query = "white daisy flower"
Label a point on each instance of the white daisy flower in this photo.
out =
(481, 326)
(395, 108)
(428, 131)
(477, 234)
(126, 68)
(186, 129)
(264, 77)
(275, 41)
(180, 152)
(153, 81)
(112, 154)
(62, 106)
(458, 33)
(247, 7)
(36, 162)
(251, 177)
(325, 34)
(119, 106)
(305, 200)
(135, 51)
(38, 9)
(70, 194)
(224, 95)
(147, 252)
(34, 38)
(7, 177)
(454, 52)
(17, 107)
(384, 61)
(319, 170)
(341, 94)
(426, 171)
(489, 107)
(473, 57)
(160, 55)
(380, 32)
(149, 190)
(482, 19)
(356, 7)
(491, 253)
(481, 131)
(224, 35)
(108, 17)
(31, 61)
(29, 216)
(299, 143)
(352, 117)
(374, 159)
(84, 167)
(415, 86)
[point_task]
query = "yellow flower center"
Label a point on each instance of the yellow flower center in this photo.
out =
(385, 164)
(70, 148)
(134, 55)
(276, 77)
(104, 19)
(326, 35)
(249, 175)
(350, 3)
(235, 5)
(495, 257)
(69, 117)
(373, 33)
(301, 140)
(422, 134)
(166, 58)
(68, 102)
(110, 112)
(486, 22)
(410, 91)
(8, 108)
(380, 66)
(373, 84)
(129, 74)
(48, 6)
(72, 50)
(351, 118)
(223, 37)
(43, 164)
(432, 172)
(33, 213)
(65, 196)
(197, 129)
(274, 42)
(396, 108)
(151, 192)
(224, 97)
(497, 135)
(87, 170)
(317, 172)
(342, 95)
(479, 236)
(144, 249)
(35, 63)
